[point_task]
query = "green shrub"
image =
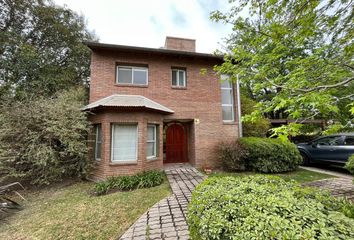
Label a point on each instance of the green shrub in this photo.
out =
(270, 155)
(232, 156)
(264, 207)
(350, 164)
(126, 183)
(257, 128)
(44, 140)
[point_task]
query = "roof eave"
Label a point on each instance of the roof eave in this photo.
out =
(114, 47)
(139, 108)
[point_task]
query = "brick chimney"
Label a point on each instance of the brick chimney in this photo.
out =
(181, 44)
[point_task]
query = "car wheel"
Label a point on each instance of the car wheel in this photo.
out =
(305, 158)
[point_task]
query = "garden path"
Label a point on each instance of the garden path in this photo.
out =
(167, 218)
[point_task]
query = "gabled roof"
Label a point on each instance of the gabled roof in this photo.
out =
(128, 101)
(164, 51)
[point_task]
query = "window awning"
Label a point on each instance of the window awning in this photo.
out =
(128, 101)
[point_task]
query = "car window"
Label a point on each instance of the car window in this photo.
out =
(329, 141)
(349, 140)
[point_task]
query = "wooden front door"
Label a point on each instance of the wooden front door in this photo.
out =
(176, 147)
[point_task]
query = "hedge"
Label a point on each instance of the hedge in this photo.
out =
(259, 154)
(264, 207)
(268, 155)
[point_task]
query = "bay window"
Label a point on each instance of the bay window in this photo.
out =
(124, 142)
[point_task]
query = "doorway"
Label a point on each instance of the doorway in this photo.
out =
(176, 144)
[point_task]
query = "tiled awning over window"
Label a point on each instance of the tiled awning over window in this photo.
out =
(128, 101)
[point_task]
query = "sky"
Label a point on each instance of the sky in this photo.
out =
(146, 23)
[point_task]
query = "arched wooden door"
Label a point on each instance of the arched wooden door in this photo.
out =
(176, 148)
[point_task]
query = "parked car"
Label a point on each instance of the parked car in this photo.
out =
(331, 149)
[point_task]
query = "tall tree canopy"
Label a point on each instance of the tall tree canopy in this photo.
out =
(41, 49)
(300, 51)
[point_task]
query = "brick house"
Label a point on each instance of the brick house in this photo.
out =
(151, 106)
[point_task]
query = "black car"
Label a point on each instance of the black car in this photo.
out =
(331, 149)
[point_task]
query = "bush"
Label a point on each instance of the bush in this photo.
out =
(350, 165)
(125, 183)
(256, 128)
(232, 156)
(264, 207)
(44, 140)
(270, 155)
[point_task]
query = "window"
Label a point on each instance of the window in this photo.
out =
(227, 101)
(132, 75)
(329, 141)
(97, 130)
(124, 142)
(151, 144)
(349, 141)
(179, 78)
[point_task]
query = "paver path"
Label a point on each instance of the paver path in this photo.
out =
(339, 187)
(167, 218)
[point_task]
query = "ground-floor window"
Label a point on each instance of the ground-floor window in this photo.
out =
(151, 144)
(97, 131)
(124, 142)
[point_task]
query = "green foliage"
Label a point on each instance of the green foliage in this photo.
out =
(259, 126)
(232, 156)
(293, 56)
(125, 183)
(44, 140)
(41, 49)
(350, 165)
(259, 207)
(270, 155)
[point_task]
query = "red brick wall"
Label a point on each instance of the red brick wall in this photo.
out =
(200, 100)
(104, 167)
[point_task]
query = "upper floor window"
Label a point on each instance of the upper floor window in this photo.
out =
(132, 75)
(227, 101)
(179, 78)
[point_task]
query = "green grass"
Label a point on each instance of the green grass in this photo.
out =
(300, 175)
(71, 213)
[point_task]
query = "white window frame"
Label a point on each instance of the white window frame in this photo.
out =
(177, 80)
(133, 68)
(137, 143)
(232, 105)
(97, 141)
(152, 141)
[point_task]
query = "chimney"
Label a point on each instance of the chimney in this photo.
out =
(181, 44)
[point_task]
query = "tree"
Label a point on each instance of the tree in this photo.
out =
(300, 51)
(41, 49)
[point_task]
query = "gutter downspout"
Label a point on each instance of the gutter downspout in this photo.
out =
(239, 107)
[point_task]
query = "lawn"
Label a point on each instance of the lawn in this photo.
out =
(71, 213)
(300, 175)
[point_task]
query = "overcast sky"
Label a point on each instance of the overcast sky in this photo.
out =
(147, 23)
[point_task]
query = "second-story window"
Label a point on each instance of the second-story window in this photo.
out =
(179, 78)
(227, 100)
(132, 75)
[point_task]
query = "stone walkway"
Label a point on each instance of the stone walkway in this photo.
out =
(167, 218)
(339, 187)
